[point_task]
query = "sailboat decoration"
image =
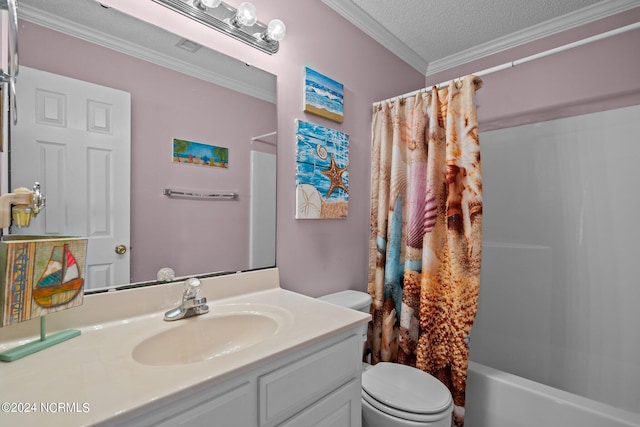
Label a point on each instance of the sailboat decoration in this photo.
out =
(40, 275)
(61, 280)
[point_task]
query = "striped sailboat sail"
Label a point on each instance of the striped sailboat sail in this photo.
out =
(61, 280)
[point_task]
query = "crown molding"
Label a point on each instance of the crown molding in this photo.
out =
(548, 28)
(358, 17)
(79, 31)
(368, 25)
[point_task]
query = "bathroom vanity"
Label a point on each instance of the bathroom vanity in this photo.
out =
(262, 356)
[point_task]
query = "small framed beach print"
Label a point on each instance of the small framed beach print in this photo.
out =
(323, 96)
(196, 153)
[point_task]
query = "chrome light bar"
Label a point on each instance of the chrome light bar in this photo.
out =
(223, 19)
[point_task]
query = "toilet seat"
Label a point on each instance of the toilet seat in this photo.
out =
(405, 392)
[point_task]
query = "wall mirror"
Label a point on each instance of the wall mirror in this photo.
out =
(177, 90)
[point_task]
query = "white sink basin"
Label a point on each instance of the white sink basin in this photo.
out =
(209, 336)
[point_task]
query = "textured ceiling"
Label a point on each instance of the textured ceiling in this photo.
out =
(432, 35)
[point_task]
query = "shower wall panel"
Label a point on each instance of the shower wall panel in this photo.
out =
(560, 286)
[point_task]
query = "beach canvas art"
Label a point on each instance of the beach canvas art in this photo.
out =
(322, 176)
(323, 96)
(40, 275)
(195, 153)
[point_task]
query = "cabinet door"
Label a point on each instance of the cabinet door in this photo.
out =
(341, 408)
(285, 391)
(231, 409)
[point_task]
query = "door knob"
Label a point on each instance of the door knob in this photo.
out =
(121, 249)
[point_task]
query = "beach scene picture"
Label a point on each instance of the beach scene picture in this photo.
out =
(323, 96)
(195, 153)
(322, 176)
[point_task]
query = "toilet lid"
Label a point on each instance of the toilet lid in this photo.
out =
(355, 300)
(406, 389)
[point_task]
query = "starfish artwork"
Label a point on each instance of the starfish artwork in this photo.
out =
(322, 175)
(334, 173)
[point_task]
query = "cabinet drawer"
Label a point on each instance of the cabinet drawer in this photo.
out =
(343, 408)
(287, 390)
(230, 409)
(232, 404)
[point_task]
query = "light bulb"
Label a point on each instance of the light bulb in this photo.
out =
(204, 4)
(245, 15)
(276, 30)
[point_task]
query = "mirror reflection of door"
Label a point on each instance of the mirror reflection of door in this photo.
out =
(74, 138)
(262, 213)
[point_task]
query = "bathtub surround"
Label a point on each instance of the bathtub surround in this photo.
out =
(500, 399)
(559, 301)
(426, 224)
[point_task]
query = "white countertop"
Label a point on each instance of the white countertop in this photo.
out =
(95, 377)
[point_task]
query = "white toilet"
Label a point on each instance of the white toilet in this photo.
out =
(395, 395)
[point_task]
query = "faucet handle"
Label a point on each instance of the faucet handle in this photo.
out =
(191, 288)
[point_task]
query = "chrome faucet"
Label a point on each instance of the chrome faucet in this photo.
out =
(191, 305)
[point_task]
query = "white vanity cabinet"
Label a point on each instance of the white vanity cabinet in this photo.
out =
(315, 385)
(305, 372)
(229, 406)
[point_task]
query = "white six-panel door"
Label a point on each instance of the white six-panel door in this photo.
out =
(74, 138)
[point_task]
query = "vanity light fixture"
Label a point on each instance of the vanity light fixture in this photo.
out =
(241, 23)
(204, 4)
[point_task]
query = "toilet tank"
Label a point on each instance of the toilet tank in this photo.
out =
(355, 300)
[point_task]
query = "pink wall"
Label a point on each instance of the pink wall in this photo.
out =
(594, 77)
(161, 227)
(315, 257)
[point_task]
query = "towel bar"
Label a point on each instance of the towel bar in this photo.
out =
(169, 192)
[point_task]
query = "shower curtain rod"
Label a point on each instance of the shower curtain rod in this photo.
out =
(512, 64)
(259, 138)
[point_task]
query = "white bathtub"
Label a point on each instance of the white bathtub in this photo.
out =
(499, 399)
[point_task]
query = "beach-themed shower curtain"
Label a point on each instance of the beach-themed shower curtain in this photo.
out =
(426, 220)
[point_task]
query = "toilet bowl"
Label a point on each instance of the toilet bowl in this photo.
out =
(395, 395)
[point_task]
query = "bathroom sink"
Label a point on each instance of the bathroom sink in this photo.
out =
(210, 336)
